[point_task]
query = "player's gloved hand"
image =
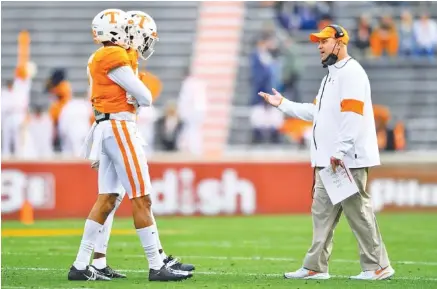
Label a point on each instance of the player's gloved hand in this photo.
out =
(131, 100)
(95, 165)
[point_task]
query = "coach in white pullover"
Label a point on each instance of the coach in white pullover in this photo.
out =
(343, 135)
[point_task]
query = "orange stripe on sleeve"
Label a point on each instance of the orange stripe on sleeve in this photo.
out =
(352, 105)
(125, 158)
(134, 157)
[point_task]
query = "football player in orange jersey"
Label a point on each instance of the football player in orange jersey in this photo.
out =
(113, 142)
(143, 36)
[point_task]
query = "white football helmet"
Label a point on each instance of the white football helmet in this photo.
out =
(111, 25)
(143, 33)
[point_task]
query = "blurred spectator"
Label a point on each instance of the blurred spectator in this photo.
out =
(169, 128)
(406, 35)
(277, 66)
(389, 139)
(308, 15)
(324, 21)
(285, 16)
(298, 131)
(266, 122)
(305, 15)
(192, 107)
(425, 32)
(38, 134)
(266, 72)
(363, 32)
(14, 107)
(384, 39)
(261, 65)
(74, 125)
(58, 86)
(324, 10)
(6, 110)
(292, 70)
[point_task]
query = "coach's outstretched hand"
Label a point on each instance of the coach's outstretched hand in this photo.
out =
(274, 99)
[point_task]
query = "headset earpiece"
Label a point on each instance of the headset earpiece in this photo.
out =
(338, 31)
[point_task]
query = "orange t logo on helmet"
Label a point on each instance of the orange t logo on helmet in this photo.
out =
(143, 19)
(112, 13)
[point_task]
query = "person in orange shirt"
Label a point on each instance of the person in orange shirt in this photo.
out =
(389, 139)
(116, 94)
(384, 39)
(59, 87)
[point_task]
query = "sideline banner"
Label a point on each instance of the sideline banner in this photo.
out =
(68, 190)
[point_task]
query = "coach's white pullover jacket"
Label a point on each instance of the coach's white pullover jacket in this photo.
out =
(342, 116)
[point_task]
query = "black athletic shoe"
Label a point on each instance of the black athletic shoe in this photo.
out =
(88, 274)
(167, 274)
(109, 272)
(174, 264)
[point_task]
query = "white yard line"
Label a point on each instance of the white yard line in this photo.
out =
(211, 273)
(237, 258)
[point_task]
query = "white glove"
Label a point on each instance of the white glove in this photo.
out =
(131, 100)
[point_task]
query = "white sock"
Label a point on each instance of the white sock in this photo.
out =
(148, 241)
(89, 236)
(99, 263)
(104, 234)
(158, 241)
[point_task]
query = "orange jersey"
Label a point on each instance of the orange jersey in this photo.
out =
(133, 57)
(106, 95)
(152, 82)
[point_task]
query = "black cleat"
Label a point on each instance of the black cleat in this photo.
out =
(109, 272)
(174, 264)
(167, 274)
(88, 274)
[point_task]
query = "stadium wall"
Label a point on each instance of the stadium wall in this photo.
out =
(228, 186)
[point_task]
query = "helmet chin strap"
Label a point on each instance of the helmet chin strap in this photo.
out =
(331, 58)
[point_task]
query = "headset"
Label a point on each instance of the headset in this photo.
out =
(338, 31)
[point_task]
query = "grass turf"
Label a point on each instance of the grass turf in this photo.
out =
(229, 252)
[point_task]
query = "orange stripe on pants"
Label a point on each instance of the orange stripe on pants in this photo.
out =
(134, 157)
(125, 159)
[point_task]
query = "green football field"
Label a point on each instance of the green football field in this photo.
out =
(229, 252)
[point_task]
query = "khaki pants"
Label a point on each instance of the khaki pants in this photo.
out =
(359, 214)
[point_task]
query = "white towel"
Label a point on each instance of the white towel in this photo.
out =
(92, 146)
